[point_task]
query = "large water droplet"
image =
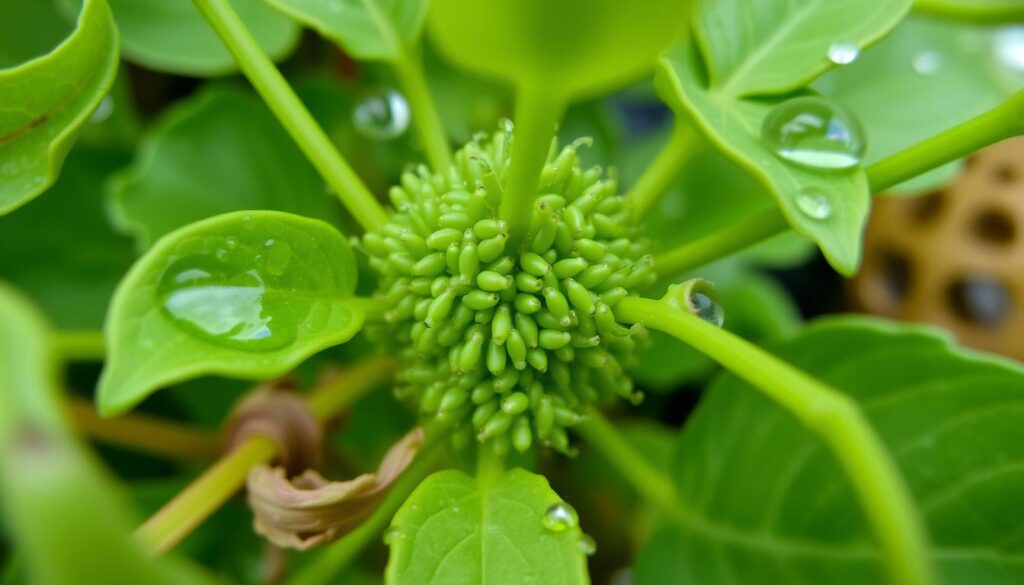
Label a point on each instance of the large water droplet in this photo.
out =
(560, 517)
(277, 255)
(843, 53)
(706, 308)
(1009, 48)
(587, 544)
(814, 202)
(814, 133)
(927, 63)
(382, 116)
(223, 298)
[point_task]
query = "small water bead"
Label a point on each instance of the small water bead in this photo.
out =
(103, 111)
(814, 133)
(560, 517)
(814, 202)
(393, 535)
(927, 63)
(843, 53)
(587, 544)
(1009, 48)
(382, 116)
(277, 256)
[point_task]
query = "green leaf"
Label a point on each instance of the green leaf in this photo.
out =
(989, 11)
(768, 504)
(18, 42)
(245, 294)
(173, 37)
(70, 523)
(455, 529)
(222, 142)
(61, 250)
(571, 48)
(899, 106)
(40, 117)
(368, 30)
(734, 126)
(777, 46)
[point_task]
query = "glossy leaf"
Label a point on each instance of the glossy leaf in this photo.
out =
(994, 11)
(18, 42)
(173, 37)
(734, 126)
(570, 48)
(457, 529)
(245, 294)
(220, 151)
(61, 250)
(927, 77)
(46, 476)
(40, 117)
(777, 46)
(371, 30)
(768, 503)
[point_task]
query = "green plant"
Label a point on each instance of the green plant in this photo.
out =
(518, 293)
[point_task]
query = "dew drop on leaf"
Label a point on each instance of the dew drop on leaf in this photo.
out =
(814, 202)
(103, 111)
(843, 53)
(223, 299)
(927, 63)
(277, 255)
(587, 544)
(393, 535)
(706, 308)
(560, 517)
(382, 116)
(814, 133)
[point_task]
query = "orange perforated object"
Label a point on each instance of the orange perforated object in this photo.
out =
(954, 258)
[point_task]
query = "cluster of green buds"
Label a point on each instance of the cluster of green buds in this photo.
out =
(509, 343)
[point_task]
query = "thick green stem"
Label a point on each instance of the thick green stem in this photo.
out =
(645, 479)
(979, 12)
(537, 113)
(409, 70)
(1003, 122)
(333, 561)
(80, 346)
(293, 115)
(657, 177)
(827, 412)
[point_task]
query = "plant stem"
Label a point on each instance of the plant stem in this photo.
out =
(537, 113)
(202, 497)
(208, 492)
(1003, 122)
(646, 480)
(80, 346)
(146, 434)
(409, 70)
(326, 568)
(293, 115)
(660, 173)
(966, 12)
(832, 415)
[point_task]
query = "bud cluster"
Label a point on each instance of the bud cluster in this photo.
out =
(509, 343)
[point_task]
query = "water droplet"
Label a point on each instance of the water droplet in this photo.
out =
(223, 298)
(277, 255)
(382, 116)
(231, 242)
(706, 308)
(587, 544)
(393, 535)
(843, 53)
(102, 111)
(1009, 48)
(814, 133)
(814, 203)
(927, 63)
(560, 517)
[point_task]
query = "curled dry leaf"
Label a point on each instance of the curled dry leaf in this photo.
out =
(275, 410)
(309, 510)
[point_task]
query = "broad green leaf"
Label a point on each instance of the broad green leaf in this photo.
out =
(44, 102)
(994, 11)
(734, 127)
(369, 30)
(61, 250)
(927, 77)
(769, 504)
(245, 294)
(174, 38)
(777, 46)
(571, 48)
(18, 42)
(220, 151)
(455, 529)
(69, 521)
